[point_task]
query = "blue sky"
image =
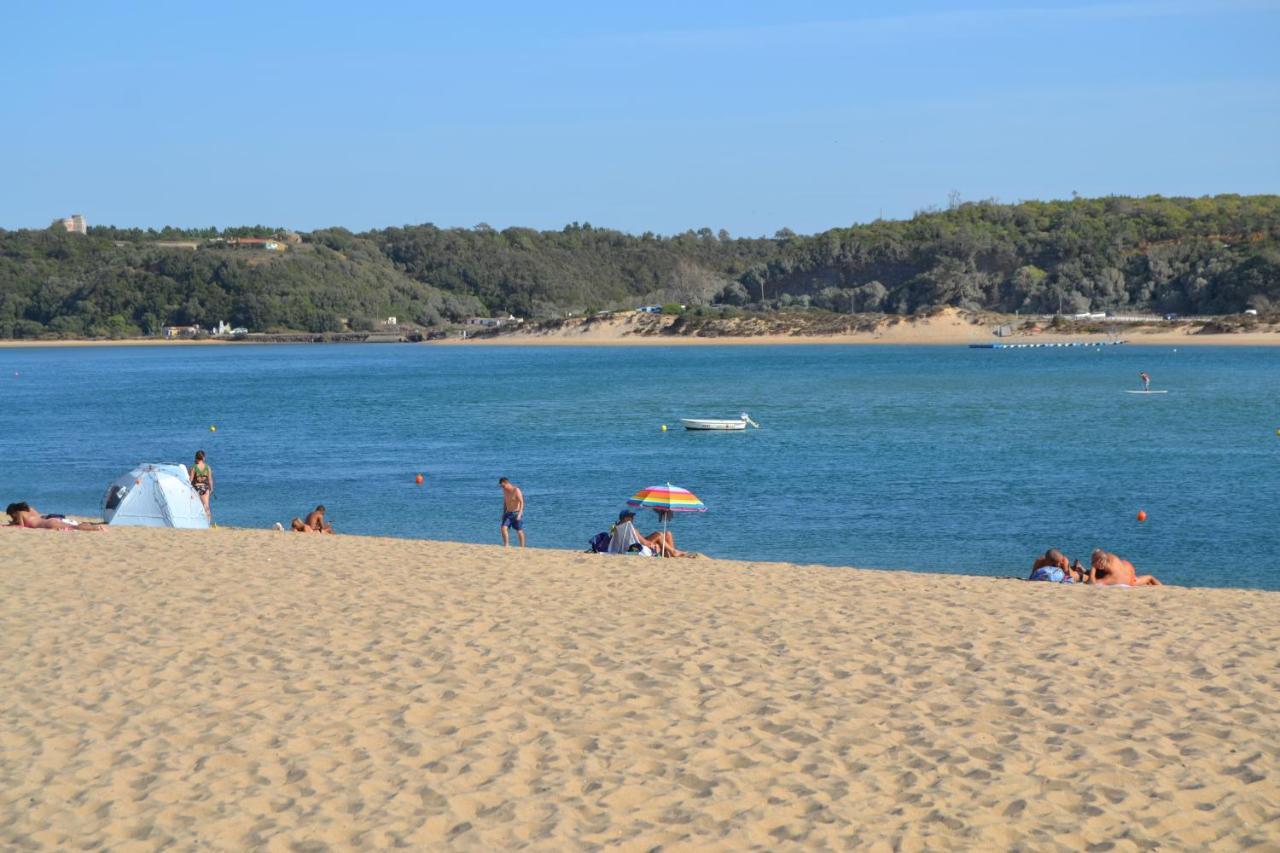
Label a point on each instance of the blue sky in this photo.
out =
(658, 116)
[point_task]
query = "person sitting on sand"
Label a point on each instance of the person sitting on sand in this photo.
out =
(624, 538)
(659, 542)
(315, 521)
(1107, 569)
(22, 514)
(1055, 567)
(666, 540)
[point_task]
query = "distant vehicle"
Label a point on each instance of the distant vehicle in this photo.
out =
(1252, 312)
(239, 330)
(650, 309)
(1171, 316)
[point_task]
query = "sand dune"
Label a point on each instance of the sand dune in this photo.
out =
(232, 689)
(949, 327)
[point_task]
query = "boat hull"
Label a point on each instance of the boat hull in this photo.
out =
(698, 424)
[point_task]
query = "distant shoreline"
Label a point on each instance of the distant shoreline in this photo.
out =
(949, 327)
(1140, 339)
(1154, 339)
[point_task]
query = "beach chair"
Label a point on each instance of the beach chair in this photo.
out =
(626, 540)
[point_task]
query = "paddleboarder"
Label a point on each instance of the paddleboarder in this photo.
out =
(1146, 380)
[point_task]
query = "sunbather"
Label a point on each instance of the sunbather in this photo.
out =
(1054, 566)
(21, 514)
(1107, 569)
(660, 542)
(626, 539)
(315, 521)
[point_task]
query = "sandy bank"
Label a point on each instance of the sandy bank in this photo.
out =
(950, 327)
(235, 688)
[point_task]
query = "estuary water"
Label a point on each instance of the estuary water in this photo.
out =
(938, 459)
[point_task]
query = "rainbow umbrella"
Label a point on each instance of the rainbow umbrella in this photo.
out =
(665, 500)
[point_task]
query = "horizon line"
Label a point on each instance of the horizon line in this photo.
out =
(952, 204)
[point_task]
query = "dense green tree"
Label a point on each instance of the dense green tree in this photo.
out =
(1190, 255)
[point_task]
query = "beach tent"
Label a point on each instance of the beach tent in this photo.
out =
(154, 496)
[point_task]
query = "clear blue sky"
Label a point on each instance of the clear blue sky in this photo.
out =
(646, 116)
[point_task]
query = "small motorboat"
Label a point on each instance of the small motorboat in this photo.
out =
(714, 423)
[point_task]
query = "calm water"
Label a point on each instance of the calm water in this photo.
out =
(930, 458)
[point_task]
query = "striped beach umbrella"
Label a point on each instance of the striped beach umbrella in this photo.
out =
(665, 500)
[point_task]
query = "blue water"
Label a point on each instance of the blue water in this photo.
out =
(931, 458)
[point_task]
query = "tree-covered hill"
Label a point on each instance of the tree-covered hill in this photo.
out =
(1202, 255)
(580, 268)
(75, 285)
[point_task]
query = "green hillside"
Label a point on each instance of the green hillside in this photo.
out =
(1203, 255)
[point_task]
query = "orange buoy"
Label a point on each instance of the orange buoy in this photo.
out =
(1142, 515)
(418, 479)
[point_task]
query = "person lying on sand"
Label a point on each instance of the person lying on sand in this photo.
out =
(1055, 567)
(21, 514)
(1107, 569)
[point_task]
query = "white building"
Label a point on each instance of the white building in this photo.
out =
(75, 224)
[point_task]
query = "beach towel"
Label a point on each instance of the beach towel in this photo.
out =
(625, 539)
(1052, 574)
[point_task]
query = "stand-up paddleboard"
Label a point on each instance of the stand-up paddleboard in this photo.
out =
(1127, 391)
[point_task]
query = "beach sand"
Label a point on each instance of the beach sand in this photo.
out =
(231, 689)
(949, 327)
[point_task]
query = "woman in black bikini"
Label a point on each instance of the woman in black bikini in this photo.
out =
(202, 481)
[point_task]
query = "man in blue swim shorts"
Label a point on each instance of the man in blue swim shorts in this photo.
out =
(512, 510)
(1054, 567)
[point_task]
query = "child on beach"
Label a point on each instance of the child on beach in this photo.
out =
(202, 481)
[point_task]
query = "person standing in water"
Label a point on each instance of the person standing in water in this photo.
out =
(202, 481)
(1146, 380)
(512, 510)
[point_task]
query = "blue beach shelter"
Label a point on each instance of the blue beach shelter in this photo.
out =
(154, 496)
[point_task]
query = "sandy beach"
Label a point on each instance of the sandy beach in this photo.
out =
(950, 327)
(233, 689)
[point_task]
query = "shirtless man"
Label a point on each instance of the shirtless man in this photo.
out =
(512, 511)
(1146, 381)
(1106, 569)
(315, 521)
(1055, 559)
